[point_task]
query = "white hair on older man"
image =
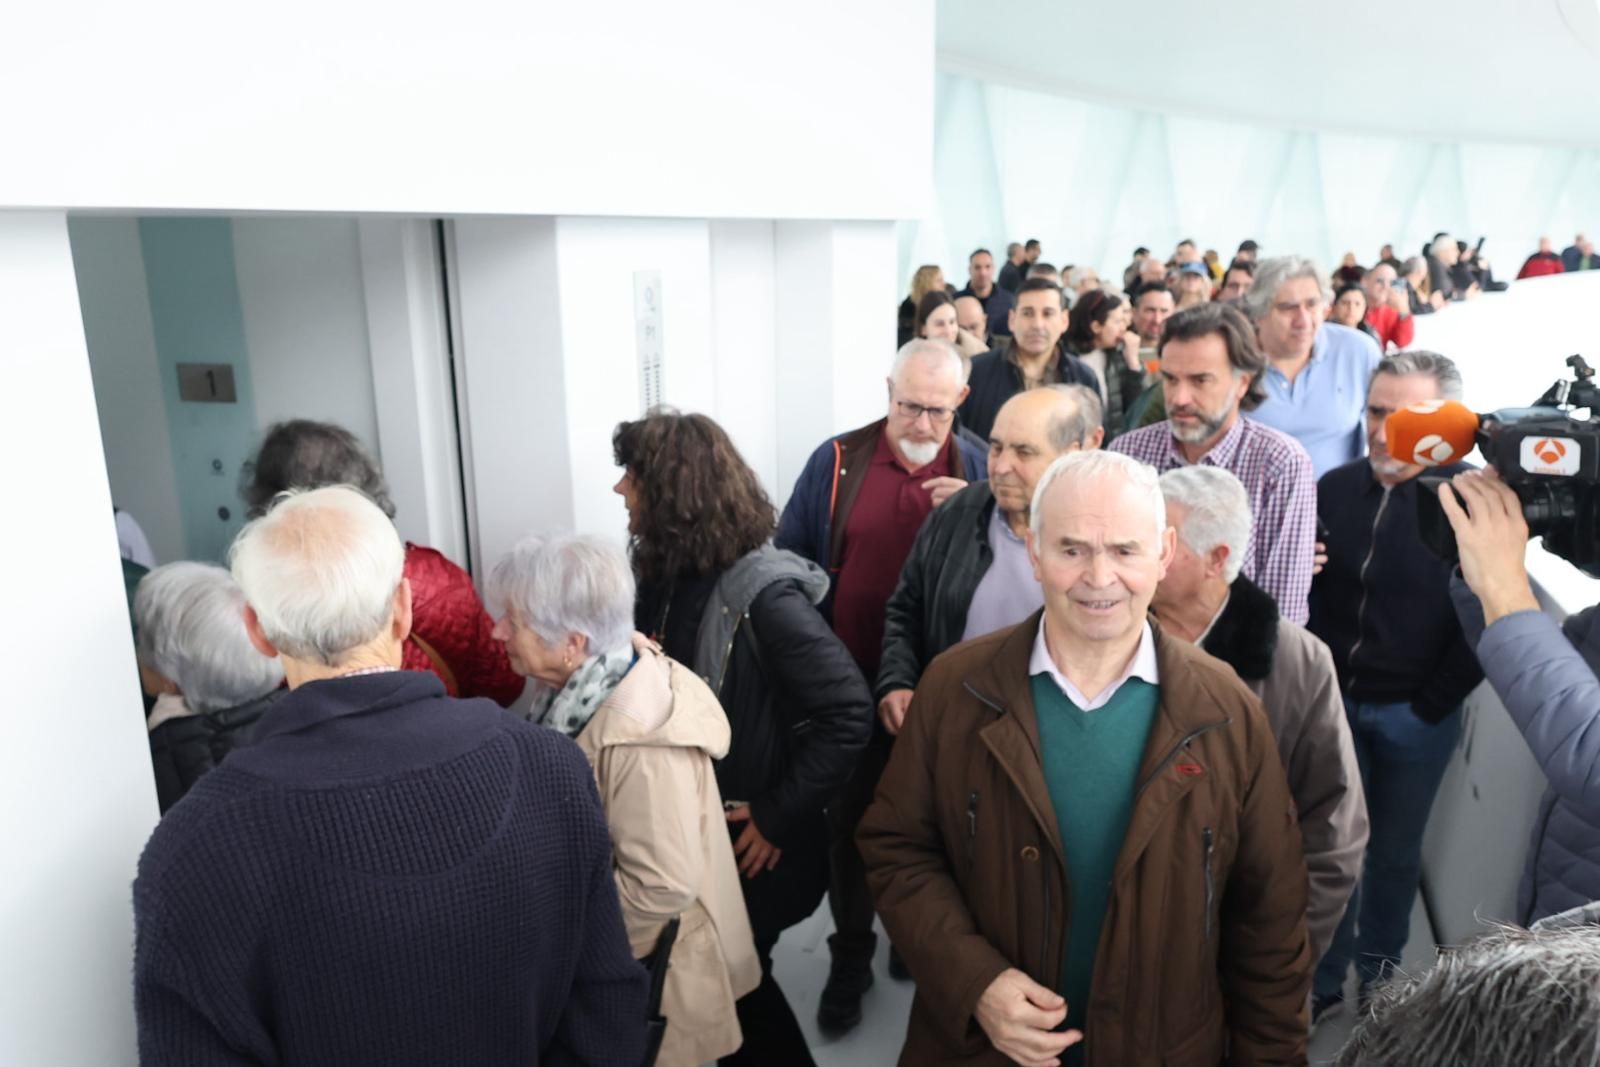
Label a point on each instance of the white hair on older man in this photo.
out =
(190, 621)
(1216, 512)
(1511, 996)
(1087, 466)
(1271, 274)
(933, 350)
(320, 571)
(560, 584)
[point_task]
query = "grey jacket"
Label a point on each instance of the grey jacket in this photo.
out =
(735, 591)
(1549, 688)
(1292, 672)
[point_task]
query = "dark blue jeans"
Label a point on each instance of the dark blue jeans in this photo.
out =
(1402, 761)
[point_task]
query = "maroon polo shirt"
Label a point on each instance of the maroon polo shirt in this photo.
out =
(878, 535)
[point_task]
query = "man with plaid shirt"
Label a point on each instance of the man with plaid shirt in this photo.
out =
(1211, 372)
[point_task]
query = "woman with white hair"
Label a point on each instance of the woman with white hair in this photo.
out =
(196, 660)
(650, 728)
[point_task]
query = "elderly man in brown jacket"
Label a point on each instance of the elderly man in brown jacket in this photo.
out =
(1084, 844)
(1205, 599)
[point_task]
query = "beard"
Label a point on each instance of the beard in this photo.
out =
(1387, 466)
(920, 453)
(1205, 427)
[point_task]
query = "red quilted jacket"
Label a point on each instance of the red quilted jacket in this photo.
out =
(448, 618)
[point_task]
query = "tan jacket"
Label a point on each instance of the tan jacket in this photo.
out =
(651, 745)
(1291, 670)
(1203, 947)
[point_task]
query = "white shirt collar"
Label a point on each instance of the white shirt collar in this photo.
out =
(1141, 666)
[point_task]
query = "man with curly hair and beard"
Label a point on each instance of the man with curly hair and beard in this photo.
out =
(718, 597)
(856, 510)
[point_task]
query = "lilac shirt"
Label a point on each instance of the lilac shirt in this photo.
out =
(1276, 472)
(1008, 592)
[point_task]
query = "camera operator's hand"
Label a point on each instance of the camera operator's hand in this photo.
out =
(1493, 538)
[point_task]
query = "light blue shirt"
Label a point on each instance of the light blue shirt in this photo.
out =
(1008, 592)
(1324, 408)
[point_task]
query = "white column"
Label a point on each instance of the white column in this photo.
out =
(835, 321)
(77, 798)
(411, 385)
(511, 379)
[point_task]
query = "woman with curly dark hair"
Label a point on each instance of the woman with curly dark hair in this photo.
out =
(718, 596)
(1099, 334)
(450, 631)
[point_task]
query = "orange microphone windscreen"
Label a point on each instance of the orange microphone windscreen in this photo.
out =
(1432, 433)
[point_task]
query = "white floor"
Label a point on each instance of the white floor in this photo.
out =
(801, 965)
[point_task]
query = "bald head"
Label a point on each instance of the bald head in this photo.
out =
(970, 317)
(322, 573)
(1030, 431)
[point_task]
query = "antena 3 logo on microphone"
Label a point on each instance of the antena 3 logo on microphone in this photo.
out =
(1561, 456)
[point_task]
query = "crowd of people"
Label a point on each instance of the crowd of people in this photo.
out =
(1106, 668)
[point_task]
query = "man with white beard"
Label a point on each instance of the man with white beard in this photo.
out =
(1211, 373)
(855, 512)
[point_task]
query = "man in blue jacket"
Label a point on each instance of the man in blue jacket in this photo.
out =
(1544, 674)
(383, 874)
(856, 510)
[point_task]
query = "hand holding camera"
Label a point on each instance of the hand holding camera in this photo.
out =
(1492, 536)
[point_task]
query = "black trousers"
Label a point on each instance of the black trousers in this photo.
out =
(853, 941)
(776, 900)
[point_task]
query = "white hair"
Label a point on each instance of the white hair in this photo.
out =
(1443, 243)
(1085, 466)
(1271, 274)
(1075, 277)
(190, 621)
(933, 350)
(1217, 512)
(567, 583)
(1509, 996)
(320, 570)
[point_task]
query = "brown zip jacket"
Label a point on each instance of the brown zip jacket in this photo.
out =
(1203, 956)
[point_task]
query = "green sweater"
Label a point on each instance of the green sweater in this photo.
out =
(1091, 762)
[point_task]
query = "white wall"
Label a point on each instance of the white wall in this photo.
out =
(305, 321)
(720, 108)
(130, 402)
(745, 345)
(77, 800)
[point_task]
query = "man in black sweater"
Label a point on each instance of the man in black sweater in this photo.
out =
(384, 875)
(1382, 605)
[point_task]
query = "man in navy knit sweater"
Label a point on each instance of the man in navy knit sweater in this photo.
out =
(384, 875)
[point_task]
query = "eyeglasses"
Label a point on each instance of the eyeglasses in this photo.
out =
(913, 412)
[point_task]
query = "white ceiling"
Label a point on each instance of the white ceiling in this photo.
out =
(1497, 70)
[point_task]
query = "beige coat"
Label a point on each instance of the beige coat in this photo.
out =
(651, 745)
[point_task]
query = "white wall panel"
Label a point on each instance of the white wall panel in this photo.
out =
(73, 819)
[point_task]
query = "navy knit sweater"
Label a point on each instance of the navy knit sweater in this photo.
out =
(386, 876)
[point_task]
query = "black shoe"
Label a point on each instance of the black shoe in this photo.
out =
(1325, 1004)
(897, 967)
(839, 1008)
